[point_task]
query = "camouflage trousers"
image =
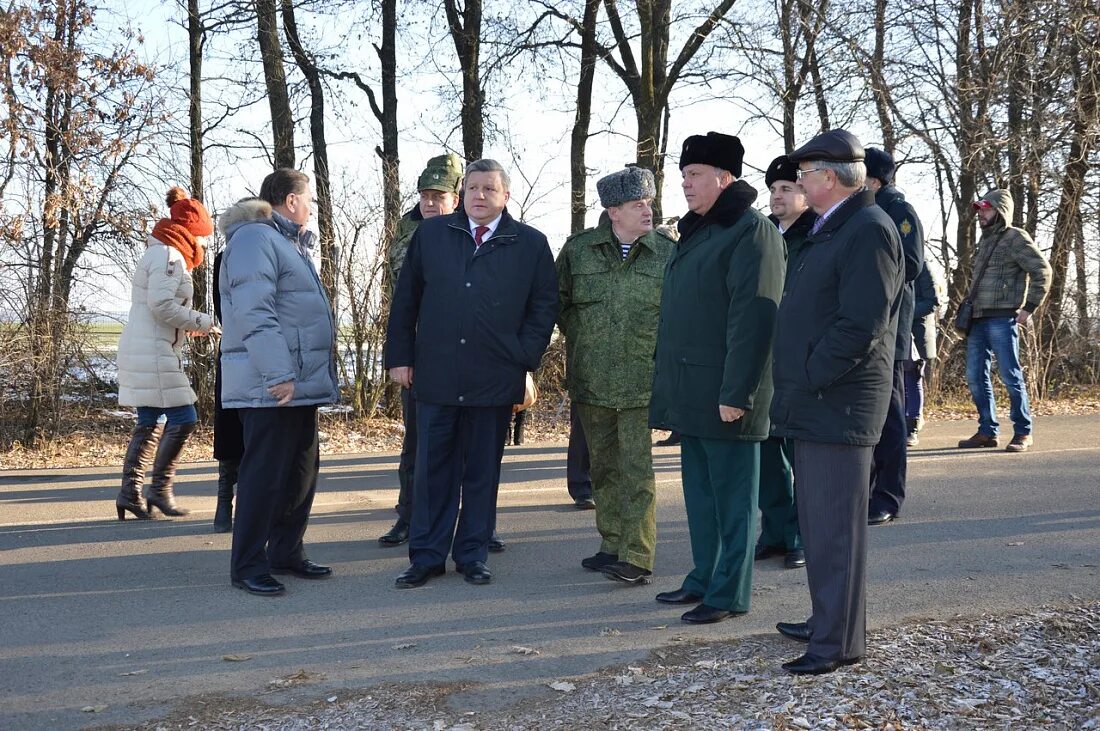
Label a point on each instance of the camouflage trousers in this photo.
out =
(623, 485)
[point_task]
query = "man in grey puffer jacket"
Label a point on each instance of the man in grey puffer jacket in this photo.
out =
(277, 367)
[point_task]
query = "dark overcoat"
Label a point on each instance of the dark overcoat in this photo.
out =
(472, 323)
(911, 234)
(836, 329)
(718, 304)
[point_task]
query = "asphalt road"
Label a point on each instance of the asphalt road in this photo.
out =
(139, 616)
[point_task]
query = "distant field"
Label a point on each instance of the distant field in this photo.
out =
(104, 334)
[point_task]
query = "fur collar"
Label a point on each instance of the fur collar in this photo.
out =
(246, 210)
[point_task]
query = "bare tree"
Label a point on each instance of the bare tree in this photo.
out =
(271, 56)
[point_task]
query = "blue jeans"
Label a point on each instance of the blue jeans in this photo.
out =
(1000, 337)
(149, 415)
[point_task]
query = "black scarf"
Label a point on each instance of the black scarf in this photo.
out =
(732, 203)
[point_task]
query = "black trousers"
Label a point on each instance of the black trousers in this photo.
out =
(406, 467)
(459, 449)
(578, 476)
(275, 488)
(889, 464)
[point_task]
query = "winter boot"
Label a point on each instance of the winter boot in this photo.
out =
(227, 480)
(143, 443)
(517, 430)
(164, 469)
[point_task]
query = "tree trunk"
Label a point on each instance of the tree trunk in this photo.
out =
(578, 171)
(271, 55)
(391, 172)
(325, 225)
(466, 32)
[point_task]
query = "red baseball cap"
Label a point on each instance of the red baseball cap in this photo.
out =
(978, 205)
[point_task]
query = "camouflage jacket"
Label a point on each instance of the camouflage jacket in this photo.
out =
(609, 312)
(406, 227)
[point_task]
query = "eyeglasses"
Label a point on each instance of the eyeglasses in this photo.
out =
(803, 173)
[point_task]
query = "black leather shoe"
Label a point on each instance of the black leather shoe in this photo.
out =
(880, 517)
(585, 503)
(626, 572)
(597, 562)
(396, 535)
(705, 614)
(262, 585)
(670, 441)
(762, 552)
(304, 570)
(495, 544)
(476, 572)
(418, 575)
(680, 596)
(810, 664)
(795, 630)
(795, 559)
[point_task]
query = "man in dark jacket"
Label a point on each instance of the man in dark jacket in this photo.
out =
(473, 312)
(890, 459)
(438, 185)
(834, 352)
(926, 301)
(712, 382)
(778, 515)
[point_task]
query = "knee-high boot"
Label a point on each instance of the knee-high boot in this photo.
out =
(161, 496)
(227, 480)
(143, 443)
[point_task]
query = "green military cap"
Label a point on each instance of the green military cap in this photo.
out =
(442, 173)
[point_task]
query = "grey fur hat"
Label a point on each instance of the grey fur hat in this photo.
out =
(631, 184)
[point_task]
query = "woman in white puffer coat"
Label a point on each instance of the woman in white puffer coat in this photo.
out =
(150, 355)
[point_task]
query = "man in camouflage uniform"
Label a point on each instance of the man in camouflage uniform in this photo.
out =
(439, 185)
(609, 284)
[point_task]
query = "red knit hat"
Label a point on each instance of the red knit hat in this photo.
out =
(192, 215)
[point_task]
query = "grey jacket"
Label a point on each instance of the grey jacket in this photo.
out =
(276, 322)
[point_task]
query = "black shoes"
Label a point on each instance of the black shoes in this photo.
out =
(795, 630)
(880, 517)
(626, 572)
(496, 545)
(762, 552)
(680, 596)
(597, 562)
(795, 559)
(304, 570)
(476, 572)
(810, 664)
(584, 503)
(396, 535)
(705, 614)
(262, 585)
(418, 575)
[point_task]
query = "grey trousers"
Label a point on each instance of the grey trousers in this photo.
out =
(832, 516)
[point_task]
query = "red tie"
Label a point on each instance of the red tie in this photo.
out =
(479, 235)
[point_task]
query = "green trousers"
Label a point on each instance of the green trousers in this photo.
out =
(720, 483)
(778, 513)
(623, 485)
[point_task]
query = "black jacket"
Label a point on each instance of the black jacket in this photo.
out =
(911, 233)
(718, 303)
(795, 236)
(836, 329)
(472, 325)
(926, 302)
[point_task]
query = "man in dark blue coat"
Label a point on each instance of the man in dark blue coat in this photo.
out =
(888, 470)
(473, 311)
(834, 352)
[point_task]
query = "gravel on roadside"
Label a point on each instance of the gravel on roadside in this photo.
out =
(1035, 669)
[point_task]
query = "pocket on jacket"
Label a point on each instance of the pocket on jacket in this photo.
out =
(589, 282)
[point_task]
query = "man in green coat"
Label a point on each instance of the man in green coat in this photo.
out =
(609, 287)
(439, 185)
(779, 534)
(712, 382)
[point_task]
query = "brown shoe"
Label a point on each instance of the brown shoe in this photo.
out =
(1019, 443)
(977, 441)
